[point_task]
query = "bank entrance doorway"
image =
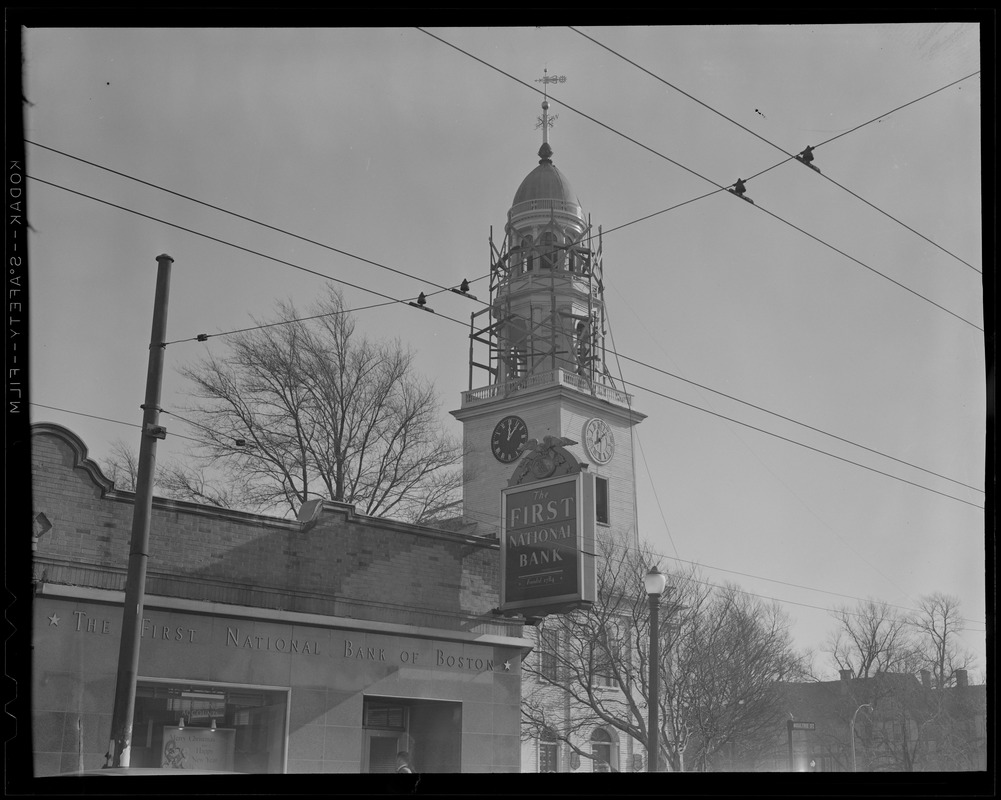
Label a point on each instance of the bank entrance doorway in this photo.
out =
(430, 731)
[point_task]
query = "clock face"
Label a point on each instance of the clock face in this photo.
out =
(508, 437)
(598, 440)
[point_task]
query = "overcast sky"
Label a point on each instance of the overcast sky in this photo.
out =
(391, 145)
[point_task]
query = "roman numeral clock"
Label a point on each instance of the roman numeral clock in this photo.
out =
(509, 436)
(598, 440)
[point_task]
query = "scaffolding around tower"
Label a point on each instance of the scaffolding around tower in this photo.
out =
(545, 323)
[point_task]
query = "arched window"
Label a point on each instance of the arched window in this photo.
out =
(582, 335)
(517, 363)
(528, 254)
(601, 750)
(516, 260)
(548, 248)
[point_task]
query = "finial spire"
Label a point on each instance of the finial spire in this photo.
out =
(545, 121)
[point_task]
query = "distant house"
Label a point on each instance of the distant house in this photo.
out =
(900, 724)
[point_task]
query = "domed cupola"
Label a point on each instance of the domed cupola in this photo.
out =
(545, 197)
(545, 182)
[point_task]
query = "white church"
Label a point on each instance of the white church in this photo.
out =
(542, 402)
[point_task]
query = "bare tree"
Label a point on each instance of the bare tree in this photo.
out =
(730, 656)
(183, 482)
(720, 653)
(121, 466)
(937, 624)
(870, 638)
(912, 723)
(303, 407)
(172, 479)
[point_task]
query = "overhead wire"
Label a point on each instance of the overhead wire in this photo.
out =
(720, 187)
(237, 215)
(393, 300)
(625, 357)
(802, 444)
(862, 558)
(655, 557)
(175, 415)
(464, 325)
(473, 514)
(105, 419)
(791, 156)
(230, 244)
(796, 422)
(202, 337)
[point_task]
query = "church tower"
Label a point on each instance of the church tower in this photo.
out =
(537, 357)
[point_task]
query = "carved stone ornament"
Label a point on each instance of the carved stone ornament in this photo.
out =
(546, 459)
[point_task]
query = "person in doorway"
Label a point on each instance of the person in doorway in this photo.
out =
(403, 761)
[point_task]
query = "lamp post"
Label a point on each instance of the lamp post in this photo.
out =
(655, 582)
(852, 730)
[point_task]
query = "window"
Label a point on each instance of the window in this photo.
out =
(548, 248)
(529, 254)
(549, 752)
(517, 362)
(614, 644)
(549, 642)
(601, 751)
(582, 337)
(601, 500)
(383, 715)
(197, 726)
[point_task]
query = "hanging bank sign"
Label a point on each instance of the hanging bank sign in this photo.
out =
(547, 535)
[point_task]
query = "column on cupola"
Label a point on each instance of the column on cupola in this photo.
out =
(548, 306)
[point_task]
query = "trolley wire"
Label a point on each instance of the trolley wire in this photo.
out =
(424, 281)
(493, 521)
(791, 156)
(720, 187)
(463, 324)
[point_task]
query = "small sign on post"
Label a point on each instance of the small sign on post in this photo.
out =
(794, 725)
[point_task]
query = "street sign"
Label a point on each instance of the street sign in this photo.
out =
(802, 726)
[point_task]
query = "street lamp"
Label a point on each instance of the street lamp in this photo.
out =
(655, 582)
(852, 730)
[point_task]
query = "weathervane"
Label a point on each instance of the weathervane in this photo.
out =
(547, 79)
(545, 121)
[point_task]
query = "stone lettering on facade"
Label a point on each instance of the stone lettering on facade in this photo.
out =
(277, 644)
(89, 624)
(166, 633)
(462, 662)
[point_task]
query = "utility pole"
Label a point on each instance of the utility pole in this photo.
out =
(120, 749)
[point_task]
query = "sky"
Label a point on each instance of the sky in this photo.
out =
(849, 300)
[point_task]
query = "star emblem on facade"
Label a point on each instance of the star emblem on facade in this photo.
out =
(507, 666)
(54, 619)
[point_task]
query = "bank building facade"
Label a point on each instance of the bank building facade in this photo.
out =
(323, 644)
(330, 642)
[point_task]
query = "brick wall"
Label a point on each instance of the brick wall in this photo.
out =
(344, 564)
